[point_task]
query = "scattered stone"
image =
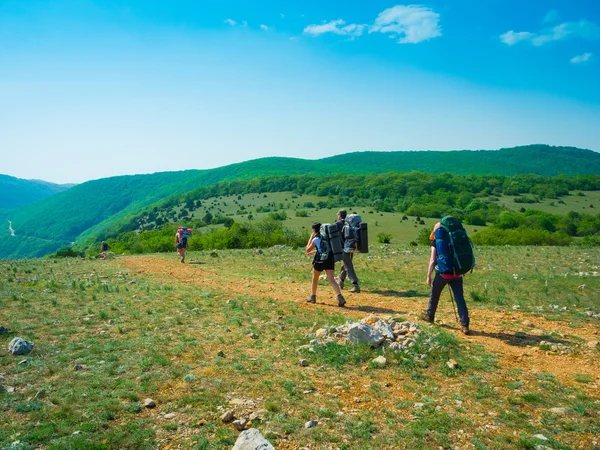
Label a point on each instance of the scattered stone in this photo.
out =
(418, 405)
(76, 433)
(540, 436)
(252, 440)
(452, 364)
(39, 394)
(527, 323)
(593, 344)
(240, 424)
(537, 332)
(149, 403)
(253, 336)
(356, 400)
(384, 329)
(380, 360)
(255, 417)
(311, 424)
(19, 346)
(221, 354)
(363, 334)
(303, 363)
(321, 332)
(169, 416)
(227, 417)
(78, 367)
(23, 362)
(4, 330)
(558, 411)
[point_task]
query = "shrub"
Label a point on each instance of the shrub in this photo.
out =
(384, 238)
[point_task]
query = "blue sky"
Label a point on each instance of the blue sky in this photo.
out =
(90, 89)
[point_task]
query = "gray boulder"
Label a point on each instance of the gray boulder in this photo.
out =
(360, 333)
(19, 346)
(252, 440)
(384, 329)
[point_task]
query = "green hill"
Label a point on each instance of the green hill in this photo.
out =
(16, 192)
(90, 208)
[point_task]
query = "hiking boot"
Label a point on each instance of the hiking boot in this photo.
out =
(355, 289)
(339, 282)
(426, 317)
(465, 329)
(341, 300)
(312, 299)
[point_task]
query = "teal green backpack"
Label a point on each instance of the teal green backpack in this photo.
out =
(455, 249)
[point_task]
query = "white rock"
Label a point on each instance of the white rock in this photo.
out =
(364, 334)
(252, 440)
(540, 436)
(149, 403)
(311, 424)
(321, 332)
(169, 416)
(380, 360)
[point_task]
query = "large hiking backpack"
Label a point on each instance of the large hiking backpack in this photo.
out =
(454, 248)
(356, 238)
(183, 241)
(331, 243)
(185, 232)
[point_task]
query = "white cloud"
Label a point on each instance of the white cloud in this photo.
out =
(264, 27)
(413, 23)
(581, 58)
(336, 27)
(582, 29)
(551, 16)
(231, 22)
(511, 37)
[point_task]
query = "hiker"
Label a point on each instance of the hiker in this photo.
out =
(441, 280)
(103, 248)
(347, 270)
(181, 243)
(315, 247)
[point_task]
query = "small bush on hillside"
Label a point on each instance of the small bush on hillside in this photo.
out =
(384, 238)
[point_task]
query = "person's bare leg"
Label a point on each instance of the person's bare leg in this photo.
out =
(332, 282)
(315, 282)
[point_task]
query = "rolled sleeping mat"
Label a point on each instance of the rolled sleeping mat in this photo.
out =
(364, 238)
(335, 241)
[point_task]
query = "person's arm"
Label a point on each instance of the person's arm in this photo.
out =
(431, 264)
(176, 238)
(310, 246)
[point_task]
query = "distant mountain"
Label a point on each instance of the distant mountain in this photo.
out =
(90, 208)
(16, 192)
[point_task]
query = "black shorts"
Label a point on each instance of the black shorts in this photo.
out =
(181, 246)
(320, 266)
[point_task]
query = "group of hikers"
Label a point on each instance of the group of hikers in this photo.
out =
(442, 261)
(446, 258)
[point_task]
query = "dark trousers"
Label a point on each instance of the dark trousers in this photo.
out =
(347, 270)
(456, 285)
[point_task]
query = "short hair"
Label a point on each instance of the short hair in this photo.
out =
(316, 227)
(342, 213)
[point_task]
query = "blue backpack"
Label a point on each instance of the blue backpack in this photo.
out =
(454, 248)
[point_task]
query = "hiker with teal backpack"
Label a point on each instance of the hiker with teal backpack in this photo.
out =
(181, 241)
(451, 257)
(324, 260)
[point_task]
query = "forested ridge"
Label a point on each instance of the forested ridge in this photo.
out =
(101, 207)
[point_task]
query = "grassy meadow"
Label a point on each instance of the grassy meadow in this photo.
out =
(227, 331)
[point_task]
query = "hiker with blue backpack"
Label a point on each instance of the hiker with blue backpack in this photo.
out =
(451, 258)
(181, 241)
(319, 245)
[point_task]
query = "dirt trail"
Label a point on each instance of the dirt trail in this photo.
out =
(494, 330)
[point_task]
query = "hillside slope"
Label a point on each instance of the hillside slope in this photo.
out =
(16, 192)
(91, 207)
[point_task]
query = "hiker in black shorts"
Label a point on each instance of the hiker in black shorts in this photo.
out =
(313, 247)
(181, 245)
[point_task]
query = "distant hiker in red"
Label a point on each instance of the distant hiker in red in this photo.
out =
(323, 261)
(439, 246)
(181, 243)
